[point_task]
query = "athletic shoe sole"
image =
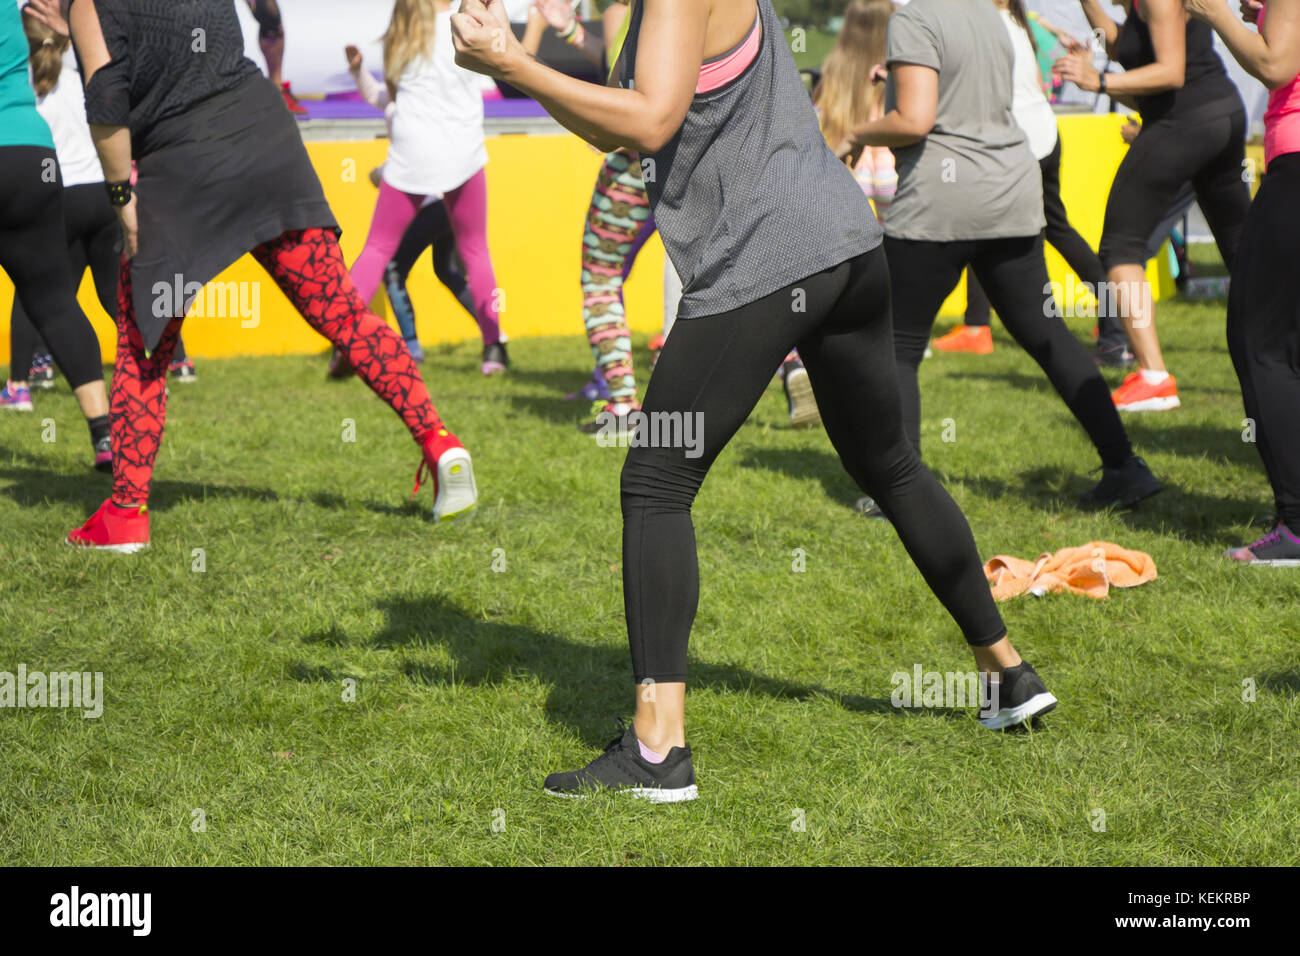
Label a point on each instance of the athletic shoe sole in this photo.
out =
(1011, 716)
(803, 405)
(457, 492)
(19, 406)
(133, 548)
(1162, 404)
(1264, 562)
(649, 794)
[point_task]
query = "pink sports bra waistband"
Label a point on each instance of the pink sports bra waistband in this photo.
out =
(717, 73)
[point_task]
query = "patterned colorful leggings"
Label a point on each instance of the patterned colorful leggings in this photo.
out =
(618, 225)
(308, 267)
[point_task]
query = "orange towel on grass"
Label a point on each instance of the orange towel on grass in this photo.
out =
(1090, 569)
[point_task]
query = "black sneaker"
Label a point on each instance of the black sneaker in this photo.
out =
(1021, 694)
(621, 769)
(41, 374)
(495, 358)
(1117, 356)
(1126, 486)
(1280, 549)
(104, 454)
(799, 399)
(867, 507)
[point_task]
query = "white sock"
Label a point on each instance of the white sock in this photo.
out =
(1152, 377)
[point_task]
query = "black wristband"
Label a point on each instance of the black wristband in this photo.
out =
(1101, 82)
(119, 194)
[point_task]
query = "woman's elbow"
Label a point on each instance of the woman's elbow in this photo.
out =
(1274, 78)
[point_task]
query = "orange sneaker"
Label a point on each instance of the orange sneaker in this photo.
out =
(1136, 394)
(967, 338)
(112, 528)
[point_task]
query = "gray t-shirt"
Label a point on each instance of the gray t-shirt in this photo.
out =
(973, 176)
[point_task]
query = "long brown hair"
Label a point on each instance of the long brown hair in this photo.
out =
(409, 36)
(846, 95)
(45, 52)
(1017, 10)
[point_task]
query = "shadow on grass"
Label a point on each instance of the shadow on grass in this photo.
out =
(1282, 682)
(35, 485)
(1215, 519)
(589, 684)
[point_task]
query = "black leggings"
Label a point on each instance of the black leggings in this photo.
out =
(431, 228)
(1264, 330)
(1168, 153)
(33, 251)
(1014, 274)
(93, 240)
(1060, 235)
(716, 368)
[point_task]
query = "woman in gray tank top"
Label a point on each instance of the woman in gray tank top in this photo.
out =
(970, 194)
(777, 246)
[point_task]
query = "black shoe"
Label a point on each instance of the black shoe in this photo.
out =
(104, 454)
(495, 358)
(1117, 356)
(621, 769)
(1126, 486)
(1021, 695)
(867, 507)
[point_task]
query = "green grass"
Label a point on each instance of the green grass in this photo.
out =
(224, 688)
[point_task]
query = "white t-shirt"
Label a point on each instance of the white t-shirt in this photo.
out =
(1028, 102)
(438, 141)
(64, 109)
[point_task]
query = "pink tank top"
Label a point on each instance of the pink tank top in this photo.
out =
(1282, 118)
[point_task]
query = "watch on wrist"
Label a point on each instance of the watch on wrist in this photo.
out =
(119, 194)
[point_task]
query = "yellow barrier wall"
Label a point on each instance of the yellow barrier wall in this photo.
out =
(539, 187)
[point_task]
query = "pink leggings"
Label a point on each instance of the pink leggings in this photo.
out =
(467, 209)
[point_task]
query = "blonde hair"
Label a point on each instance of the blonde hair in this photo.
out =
(409, 36)
(845, 95)
(45, 52)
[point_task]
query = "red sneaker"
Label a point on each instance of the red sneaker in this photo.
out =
(291, 101)
(977, 339)
(1136, 394)
(455, 492)
(112, 528)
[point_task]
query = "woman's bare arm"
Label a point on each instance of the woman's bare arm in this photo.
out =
(670, 51)
(1271, 56)
(910, 121)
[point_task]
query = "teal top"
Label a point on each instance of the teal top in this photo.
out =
(20, 124)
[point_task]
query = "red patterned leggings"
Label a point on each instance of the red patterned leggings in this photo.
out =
(308, 267)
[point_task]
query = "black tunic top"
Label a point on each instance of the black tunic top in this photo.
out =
(1206, 92)
(222, 166)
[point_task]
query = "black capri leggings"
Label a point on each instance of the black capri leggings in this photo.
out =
(1210, 154)
(34, 253)
(93, 240)
(1264, 330)
(715, 369)
(1014, 274)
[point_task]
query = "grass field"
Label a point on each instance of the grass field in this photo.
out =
(225, 686)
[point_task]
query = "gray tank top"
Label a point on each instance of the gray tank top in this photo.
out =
(747, 196)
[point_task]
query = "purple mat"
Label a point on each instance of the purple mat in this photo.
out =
(350, 106)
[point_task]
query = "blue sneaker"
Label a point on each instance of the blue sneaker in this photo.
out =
(17, 398)
(41, 374)
(595, 390)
